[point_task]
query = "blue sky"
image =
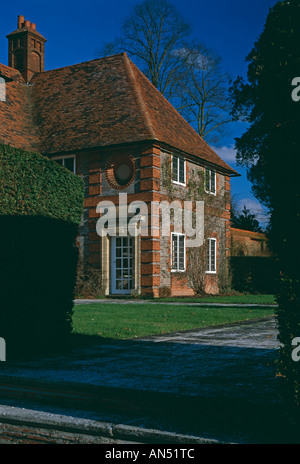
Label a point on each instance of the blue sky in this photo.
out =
(75, 30)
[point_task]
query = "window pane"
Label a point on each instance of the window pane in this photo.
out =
(181, 252)
(118, 252)
(175, 168)
(181, 171)
(213, 182)
(174, 252)
(213, 255)
(69, 164)
(208, 255)
(207, 180)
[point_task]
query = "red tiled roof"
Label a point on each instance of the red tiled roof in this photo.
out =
(169, 126)
(16, 124)
(98, 103)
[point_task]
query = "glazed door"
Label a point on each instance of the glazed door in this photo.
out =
(121, 265)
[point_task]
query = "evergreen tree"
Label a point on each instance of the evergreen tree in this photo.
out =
(270, 149)
(245, 220)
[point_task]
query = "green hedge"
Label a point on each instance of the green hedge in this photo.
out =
(41, 206)
(254, 274)
(31, 184)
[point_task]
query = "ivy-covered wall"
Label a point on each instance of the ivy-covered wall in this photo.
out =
(216, 225)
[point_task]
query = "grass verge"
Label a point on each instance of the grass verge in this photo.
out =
(236, 299)
(125, 321)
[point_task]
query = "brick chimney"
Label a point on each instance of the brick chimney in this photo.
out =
(26, 49)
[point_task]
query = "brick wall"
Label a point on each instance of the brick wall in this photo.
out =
(147, 186)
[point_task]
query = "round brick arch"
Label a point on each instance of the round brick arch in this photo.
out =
(114, 164)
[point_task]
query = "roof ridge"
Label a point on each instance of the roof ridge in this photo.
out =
(82, 63)
(8, 71)
(139, 96)
(173, 109)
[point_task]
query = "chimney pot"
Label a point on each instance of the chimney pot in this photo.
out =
(20, 21)
(21, 57)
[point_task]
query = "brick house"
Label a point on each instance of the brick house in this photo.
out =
(248, 243)
(106, 122)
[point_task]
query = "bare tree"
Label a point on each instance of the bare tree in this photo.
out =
(151, 36)
(203, 91)
(156, 37)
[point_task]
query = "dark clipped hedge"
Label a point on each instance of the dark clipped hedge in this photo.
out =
(254, 274)
(40, 210)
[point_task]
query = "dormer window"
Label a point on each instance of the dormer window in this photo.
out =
(178, 170)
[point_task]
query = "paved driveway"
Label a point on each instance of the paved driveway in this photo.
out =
(262, 334)
(168, 382)
(194, 362)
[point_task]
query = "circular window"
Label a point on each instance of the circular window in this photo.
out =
(123, 174)
(120, 171)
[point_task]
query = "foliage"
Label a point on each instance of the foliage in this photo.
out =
(40, 209)
(254, 274)
(270, 150)
(214, 206)
(88, 281)
(166, 176)
(31, 184)
(196, 269)
(245, 220)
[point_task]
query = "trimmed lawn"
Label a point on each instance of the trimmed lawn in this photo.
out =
(237, 298)
(245, 299)
(125, 321)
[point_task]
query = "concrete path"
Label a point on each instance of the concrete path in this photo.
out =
(172, 303)
(257, 334)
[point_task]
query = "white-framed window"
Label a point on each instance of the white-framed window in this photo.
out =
(211, 255)
(178, 170)
(178, 253)
(68, 162)
(210, 181)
